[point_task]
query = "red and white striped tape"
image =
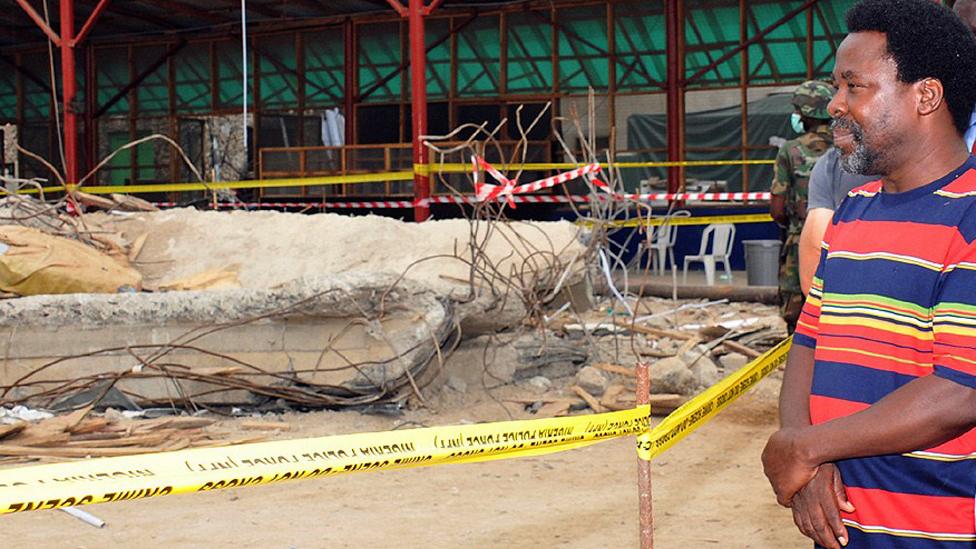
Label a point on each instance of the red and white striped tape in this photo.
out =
(520, 199)
(508, 188)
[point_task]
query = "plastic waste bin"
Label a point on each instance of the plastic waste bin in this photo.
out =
(762, 262)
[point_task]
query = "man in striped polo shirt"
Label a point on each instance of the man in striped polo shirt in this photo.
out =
(876, 447)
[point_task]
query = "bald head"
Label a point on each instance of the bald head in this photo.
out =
(966, 10)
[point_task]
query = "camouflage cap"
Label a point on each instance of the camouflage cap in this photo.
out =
(812, 97)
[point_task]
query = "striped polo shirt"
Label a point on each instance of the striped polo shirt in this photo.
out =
(894, 298)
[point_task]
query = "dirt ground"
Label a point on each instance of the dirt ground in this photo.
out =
(708, 491)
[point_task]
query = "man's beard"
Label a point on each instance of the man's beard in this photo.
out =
(862, 160)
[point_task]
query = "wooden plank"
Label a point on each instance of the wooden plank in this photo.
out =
(737, 347)
(88, 426)
(144, 441)
(543, 399)
(591, 401)
(63, 452)
(172, 423)
(265, 426)
(657, 332)
(12, 429)
(654, 353)
(39, 439)
(553, 409)
(687, 346)
(618, 397)
(664, 403)
(65, 423)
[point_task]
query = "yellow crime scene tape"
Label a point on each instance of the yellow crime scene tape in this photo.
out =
(105, 480)
(699, 220)
(703, 407)
(355, 179)
(428, 169)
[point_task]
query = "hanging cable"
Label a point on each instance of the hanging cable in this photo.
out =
(54, 94)
(244, 65)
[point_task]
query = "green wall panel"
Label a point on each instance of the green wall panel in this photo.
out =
(325, 77)
(8, 95)
(278, 65)
(583, 49)
(111, 75)
(478, 58)
(230, 88)
(192, 72)
(639, 31)
(710, 33)
(152, 94)
(529, 55)
(438, 58)
(379, 56)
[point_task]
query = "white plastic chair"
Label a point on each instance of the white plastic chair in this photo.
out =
(721, 236)
(661, 243)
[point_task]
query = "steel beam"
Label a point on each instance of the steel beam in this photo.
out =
(744, 91)
(398, 7)
(187, 10)
(675, 90)
(39, 21)
(90, 22)
(403, 64)
(433, 6)
(70, 88)
(418, 97)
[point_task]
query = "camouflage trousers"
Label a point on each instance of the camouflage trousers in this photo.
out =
(791, 298)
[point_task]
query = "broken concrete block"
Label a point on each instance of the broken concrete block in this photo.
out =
(540, 383)
(703, 368)
(672, 375)
(592, 381)
(706, 372)
(485, 357)
(579, 295)
(733, 361)
(458, 384)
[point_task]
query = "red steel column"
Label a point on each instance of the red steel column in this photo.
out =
(674, 110)
(418, 97)
(70, 88)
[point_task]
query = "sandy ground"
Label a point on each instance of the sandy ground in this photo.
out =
(708, 491)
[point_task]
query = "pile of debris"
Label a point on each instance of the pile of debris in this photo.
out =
(586, 360)
(246, 308)
(78, 435)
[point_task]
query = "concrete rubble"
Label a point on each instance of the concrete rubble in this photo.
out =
(354, 311)
(331, 310)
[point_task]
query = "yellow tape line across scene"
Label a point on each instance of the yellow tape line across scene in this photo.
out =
(428, 169)
(354, 179)
(254, 184)
(698, 220)
(115, 479)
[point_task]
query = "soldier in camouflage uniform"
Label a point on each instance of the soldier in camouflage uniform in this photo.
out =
(791, 175)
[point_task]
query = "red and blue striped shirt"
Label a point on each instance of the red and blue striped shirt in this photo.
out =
(894, 299)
